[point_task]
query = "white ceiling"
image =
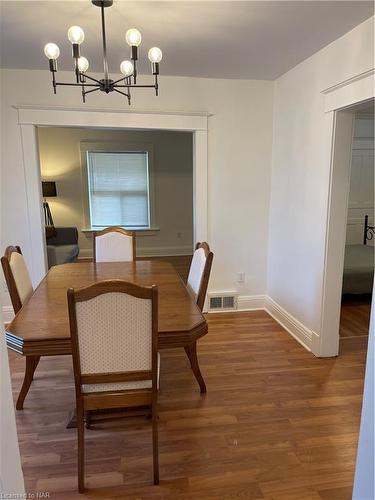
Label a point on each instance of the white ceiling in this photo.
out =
(245, 39)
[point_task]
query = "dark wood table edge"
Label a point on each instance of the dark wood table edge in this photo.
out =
(33, 350)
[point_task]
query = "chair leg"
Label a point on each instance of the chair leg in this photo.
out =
(81, 450)
(31, 364)
(155, 444)
(88, 419)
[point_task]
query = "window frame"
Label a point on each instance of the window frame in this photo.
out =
(89, 146)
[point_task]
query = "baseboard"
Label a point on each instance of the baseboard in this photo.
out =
(8, 314)
(299, 331)
(262, 302)
(315, 344)
(250, 302)
(86, 253)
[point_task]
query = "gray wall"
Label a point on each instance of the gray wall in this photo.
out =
(60, 159)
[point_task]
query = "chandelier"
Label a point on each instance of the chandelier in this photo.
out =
(87, 83)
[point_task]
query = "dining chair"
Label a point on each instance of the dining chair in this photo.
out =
(17, 277)
(199, 273)
(197, 283)
(20, 290)
(114, 244)
(114, 334)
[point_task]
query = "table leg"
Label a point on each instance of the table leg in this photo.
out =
(31, 364)
(191, 351)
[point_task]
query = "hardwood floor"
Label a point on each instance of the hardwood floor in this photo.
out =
(355, 316)
(276, 423)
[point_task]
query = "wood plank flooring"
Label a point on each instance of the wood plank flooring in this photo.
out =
(355, 316)
(277, 423)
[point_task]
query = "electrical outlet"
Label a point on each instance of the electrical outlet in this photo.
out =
(241, 278)
(178, 235)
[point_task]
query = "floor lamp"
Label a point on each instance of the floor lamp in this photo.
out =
(49, 191)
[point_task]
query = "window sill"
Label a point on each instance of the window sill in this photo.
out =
(140, 230)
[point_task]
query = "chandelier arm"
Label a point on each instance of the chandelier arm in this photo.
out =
(119, 80)
(85, 92)
(76, 70)
(135, 71)
(105, 62)
(122, 93)
(128, 80)
(77, 84)
(136, 86)
(54, 82)
(92, 90)
(91, 78)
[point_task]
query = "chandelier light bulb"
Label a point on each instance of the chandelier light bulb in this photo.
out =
(76, 35)
(51, 51)
(155, 55)
(126, 68)
(133, 37)
(83, 64)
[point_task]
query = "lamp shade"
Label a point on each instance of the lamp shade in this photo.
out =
(49, 189)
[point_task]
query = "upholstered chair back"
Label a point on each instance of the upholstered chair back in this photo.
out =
(17, 277)
(21, 276)
(115, 335)
(199, 272)
(114, 245)
(196, 270)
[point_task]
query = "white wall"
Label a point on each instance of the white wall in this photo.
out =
(11, 477)
(301, 170)
(172, 172)
(239, 161)
(364, 488)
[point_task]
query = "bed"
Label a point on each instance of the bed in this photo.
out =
(359, 265)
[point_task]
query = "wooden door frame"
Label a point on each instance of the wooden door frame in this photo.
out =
(30, 117)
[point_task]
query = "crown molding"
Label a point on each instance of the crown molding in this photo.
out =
(349, 81)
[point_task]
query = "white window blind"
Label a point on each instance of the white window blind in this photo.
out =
(118, 189)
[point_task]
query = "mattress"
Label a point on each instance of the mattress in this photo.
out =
(358, 269)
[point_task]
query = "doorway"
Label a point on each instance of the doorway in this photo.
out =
(342, 150)
(30, 118)
(359, 246)
(141, 180)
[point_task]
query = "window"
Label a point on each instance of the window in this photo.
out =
(118, 185)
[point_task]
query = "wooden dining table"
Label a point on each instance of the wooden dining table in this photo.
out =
(41, 327)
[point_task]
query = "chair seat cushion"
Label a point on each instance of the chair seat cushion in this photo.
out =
(118, 386)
